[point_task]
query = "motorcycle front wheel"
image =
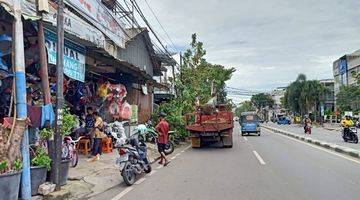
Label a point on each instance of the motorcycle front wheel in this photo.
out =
(128, 175)
(169, 147)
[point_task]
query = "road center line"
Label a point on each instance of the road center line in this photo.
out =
(123, 193)
(319, 148)
(245, 138)
(140, 181)
(259, 158)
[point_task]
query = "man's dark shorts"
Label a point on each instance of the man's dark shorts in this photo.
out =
(161, 147)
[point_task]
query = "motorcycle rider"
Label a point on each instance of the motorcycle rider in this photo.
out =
(346, 124)
(307, 123)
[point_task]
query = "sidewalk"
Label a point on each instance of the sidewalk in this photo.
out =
(88, 179)
(330, 139)
(329, 133)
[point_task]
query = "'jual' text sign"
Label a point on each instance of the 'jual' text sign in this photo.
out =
(102, 18)
(74, 56)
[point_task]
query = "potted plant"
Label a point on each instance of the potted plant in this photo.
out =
(41, 163)
(10, 162)
(68, 124)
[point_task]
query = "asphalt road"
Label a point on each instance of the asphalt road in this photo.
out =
(268, 167)
(318, 133)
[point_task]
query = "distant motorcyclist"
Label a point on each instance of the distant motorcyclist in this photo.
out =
(307, 125)
(346, 124)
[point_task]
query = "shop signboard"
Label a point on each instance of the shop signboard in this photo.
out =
(342, 66)
(72, 24)
(102, 18)
(74, 56)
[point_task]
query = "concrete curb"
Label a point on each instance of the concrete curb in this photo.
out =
(340, 149)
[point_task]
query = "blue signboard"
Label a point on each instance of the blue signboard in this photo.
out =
(74, 56)
(342, 66)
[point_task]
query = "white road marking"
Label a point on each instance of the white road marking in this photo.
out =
(178, 154)
(245, 138)
(160, 166)
(259, 158)
(182, 151)
(320, 148)
(187, 147)
(140, 181)
(173, 158)
(123, 193)
(152, 172)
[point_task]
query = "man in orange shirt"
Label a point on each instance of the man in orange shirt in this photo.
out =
(162, 128)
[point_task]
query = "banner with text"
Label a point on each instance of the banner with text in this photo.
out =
(74, 56)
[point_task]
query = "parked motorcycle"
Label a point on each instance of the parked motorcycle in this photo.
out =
(351, 136)
(133, 159)
(151, 136)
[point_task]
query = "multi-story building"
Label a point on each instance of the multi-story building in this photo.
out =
(344, 68)
(329, 97)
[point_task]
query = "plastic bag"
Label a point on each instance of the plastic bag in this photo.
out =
(126, 111)
(103, 90)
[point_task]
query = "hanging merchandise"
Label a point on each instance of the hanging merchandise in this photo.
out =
(125, 111)
(134, 114)
(117, 91)
(103, 89)
(114, 108)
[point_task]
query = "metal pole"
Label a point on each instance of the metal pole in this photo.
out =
(59, 90)
(20, 80)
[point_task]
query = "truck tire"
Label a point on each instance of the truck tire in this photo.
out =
(230, 144)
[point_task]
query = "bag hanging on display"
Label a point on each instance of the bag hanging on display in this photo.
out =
(103, 90)
(126, 111)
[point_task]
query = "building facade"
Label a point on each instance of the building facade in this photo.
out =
(329, 97)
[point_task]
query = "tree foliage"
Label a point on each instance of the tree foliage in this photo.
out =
(244, 107)
(194, 80)
(262, 100)
(348, 97)
(304, 96)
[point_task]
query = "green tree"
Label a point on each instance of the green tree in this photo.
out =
(244, 107)
(348, 97)
(262, 100)
(304, 96)
(195, 78)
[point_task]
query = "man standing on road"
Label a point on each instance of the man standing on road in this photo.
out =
(162, 128)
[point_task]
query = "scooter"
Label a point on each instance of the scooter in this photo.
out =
(133, 159)
(351, 136)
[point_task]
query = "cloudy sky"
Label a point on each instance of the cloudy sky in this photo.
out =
(268, 41)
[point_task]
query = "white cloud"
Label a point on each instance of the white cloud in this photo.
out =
(268, 41)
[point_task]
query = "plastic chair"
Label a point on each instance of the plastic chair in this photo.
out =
(84, 146)
(107, 145)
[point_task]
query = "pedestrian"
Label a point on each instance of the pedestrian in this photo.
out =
(98, 135)
(162, 128)
(89, 124)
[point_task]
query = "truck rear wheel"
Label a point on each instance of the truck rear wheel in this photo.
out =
(227, 141)
(195, 142)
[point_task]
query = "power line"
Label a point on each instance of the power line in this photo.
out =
(137, 8)
(162, 27)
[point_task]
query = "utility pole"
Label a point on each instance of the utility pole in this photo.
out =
(59, 91)
(21, 107)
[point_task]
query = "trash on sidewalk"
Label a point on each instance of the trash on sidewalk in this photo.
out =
(46, 188)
